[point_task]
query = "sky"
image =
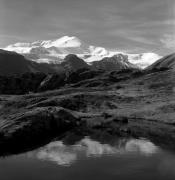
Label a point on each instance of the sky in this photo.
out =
(129, 25)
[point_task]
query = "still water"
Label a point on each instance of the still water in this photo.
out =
(88, 159)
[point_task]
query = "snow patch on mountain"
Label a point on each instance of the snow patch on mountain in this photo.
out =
(143, 60)
(63, 42)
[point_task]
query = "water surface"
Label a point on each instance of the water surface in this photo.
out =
(89, 159)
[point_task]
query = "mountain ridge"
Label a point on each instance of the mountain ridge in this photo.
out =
(54, 51)
(12, 63)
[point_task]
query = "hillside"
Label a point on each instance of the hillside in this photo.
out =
(13, 63)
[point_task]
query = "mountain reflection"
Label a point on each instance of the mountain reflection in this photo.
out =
(65, 155)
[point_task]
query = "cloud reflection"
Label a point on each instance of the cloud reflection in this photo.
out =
(96, 148)
(142, 146)
(65, 155)
(57, 152)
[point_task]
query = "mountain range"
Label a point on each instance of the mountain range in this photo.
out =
(12, 63)
(69, 54)
(54, 52)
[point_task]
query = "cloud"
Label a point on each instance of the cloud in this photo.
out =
(12, 38)
(168, 41)
(132, 35)
(113, 24)
(157, 23)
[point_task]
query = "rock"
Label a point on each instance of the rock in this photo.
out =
(38, 123)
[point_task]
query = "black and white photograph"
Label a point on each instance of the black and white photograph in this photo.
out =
(87, 89)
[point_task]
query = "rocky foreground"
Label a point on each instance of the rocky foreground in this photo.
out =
(125, 103)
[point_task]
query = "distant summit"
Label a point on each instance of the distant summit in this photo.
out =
(116, 62)
(73, 63)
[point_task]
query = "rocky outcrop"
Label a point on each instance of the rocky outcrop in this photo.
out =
(36, 125)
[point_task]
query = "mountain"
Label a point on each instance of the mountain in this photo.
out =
(73, 63)
(167, 62)
(116, 62)
(49, 51)
(54, 51)
(14, 63)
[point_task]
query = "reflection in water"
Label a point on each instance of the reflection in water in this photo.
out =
(67, 154)
(142, 146)
(57, 152)
(110, 158)
(95, 148)
(167, 166)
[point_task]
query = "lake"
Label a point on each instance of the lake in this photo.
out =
(91, 159)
